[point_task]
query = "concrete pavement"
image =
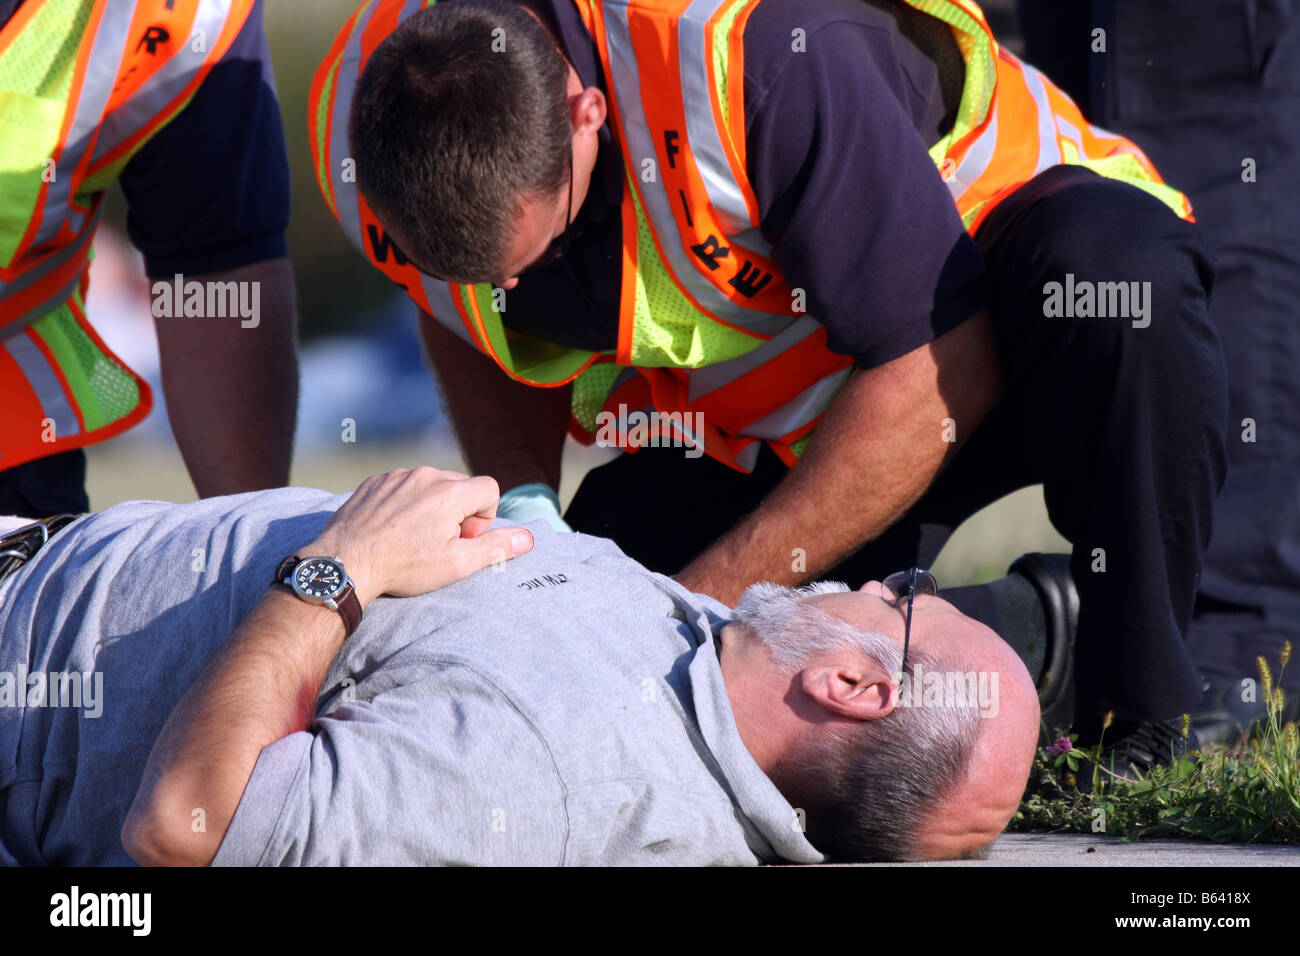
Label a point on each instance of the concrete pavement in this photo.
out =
(1073, 849)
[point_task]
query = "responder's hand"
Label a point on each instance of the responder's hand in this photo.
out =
(530, 502)
(409, 532)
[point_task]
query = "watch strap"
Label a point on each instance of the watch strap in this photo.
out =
(285, 568)
(349, 607)
(347, 603)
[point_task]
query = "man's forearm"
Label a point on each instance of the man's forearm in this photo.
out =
(261, 686)
(853, 482)
(511, 431)
(876, 451)
(231, 384)
(402, 533)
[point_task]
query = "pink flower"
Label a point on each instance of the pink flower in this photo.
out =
(1061, 745)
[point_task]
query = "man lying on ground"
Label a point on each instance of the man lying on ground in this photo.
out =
(500, 703)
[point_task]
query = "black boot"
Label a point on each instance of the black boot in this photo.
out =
(1050, 576)
(1131, 750)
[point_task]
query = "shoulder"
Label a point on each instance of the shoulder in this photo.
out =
(779, 30)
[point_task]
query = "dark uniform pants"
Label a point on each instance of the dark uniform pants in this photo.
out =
(1123, 425)
(1210, 89)
(47, 486)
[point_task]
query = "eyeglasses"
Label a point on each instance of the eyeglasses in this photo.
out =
(908, 584)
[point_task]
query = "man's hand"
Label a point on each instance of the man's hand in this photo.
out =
(402, 533)
(875, 452)
(410, 532)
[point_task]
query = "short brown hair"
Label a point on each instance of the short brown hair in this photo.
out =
(460, 114)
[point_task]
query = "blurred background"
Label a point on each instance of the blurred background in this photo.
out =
(361, 355)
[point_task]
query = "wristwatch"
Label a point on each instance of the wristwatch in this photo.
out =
(320, 580)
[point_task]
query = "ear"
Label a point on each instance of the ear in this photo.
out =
(587, 111)
(858, 690)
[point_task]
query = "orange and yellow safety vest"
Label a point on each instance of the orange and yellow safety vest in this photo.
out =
(84, 84)
(708, 326)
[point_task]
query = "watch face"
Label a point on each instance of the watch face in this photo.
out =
(318, 578)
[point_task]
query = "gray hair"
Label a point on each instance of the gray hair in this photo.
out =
(866, 788)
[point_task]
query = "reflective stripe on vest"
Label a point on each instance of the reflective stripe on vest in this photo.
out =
(123, 69)
(706, 318)
(1013, 123)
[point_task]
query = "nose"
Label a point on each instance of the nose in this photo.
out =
(510, 283)
(876, 589)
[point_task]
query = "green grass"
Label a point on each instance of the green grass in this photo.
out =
(1248, 792)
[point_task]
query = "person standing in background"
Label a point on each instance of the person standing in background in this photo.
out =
(1228, 71)
(175, 100)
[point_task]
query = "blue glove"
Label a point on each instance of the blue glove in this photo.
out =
(530, 502)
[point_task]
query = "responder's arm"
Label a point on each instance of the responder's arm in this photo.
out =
(208, 199)
(232, 384)
(874, 453)
(511, 431)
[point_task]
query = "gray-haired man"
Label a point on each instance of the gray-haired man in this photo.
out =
(504, 703)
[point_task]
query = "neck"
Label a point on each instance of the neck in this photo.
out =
(765, 728)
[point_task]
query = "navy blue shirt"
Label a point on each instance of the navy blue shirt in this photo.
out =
(210, 191)
(836, 137)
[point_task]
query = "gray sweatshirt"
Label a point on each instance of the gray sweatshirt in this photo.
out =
(566, 707)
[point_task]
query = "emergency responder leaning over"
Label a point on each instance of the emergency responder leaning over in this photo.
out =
(174, 99)
(882, 270)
